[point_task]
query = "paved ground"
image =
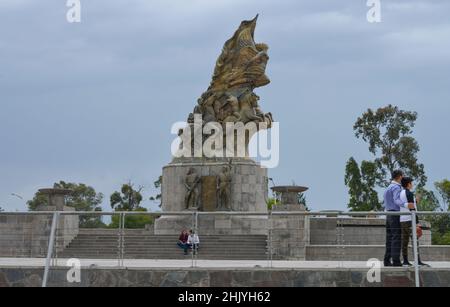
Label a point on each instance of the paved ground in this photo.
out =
(187, 263)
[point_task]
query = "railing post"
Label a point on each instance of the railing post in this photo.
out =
(270, 239)
(194, 216)
(120, 239)
(122, 247)
(51, 243)
(415, 247)
(196, 232)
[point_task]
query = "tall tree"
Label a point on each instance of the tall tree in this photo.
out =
(440, 224)
(1, 209)
(361, 183)
(443, 187)
(128, 199)
(388, 132)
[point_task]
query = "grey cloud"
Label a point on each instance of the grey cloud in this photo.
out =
(94, 102)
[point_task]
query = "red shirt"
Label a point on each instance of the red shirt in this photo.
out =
(183, 237)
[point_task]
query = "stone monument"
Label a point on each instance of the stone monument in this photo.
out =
(229, 180)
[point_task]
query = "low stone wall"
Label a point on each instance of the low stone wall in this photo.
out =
(24, 235)
(393, 277)
(28, 235)
(366, 252)
(353, 231)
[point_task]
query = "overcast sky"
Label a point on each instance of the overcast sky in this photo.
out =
(94, 102)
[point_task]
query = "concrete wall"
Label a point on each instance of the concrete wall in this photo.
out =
(353, 231)
(394, 277)
(24, 235)
(28, 235)
(289, 234)
(366, 252)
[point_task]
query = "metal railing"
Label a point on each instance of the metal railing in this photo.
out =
(121, 236)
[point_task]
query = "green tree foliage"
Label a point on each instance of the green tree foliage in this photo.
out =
(157, 198)
(38, 200)
(388, 132)
(129, 199)
(440, 224)
(272, 201)
(83, 198)
(1, 209)
(443, 187)
(133, 221)
(428, 200)
(361, 183)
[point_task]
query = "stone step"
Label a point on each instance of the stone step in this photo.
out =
(166, 240)
(139, 246)
(159, 252)
(263, 238)
(163, 253)
(113, 243)
(173, 258)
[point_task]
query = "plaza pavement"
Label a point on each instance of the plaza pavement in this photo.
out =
(188, 263)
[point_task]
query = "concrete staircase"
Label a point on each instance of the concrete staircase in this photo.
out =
(140, 245)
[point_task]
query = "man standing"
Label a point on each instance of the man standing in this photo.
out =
(393, 203)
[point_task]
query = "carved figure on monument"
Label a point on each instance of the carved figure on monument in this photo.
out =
(224, 189)
(192, 184)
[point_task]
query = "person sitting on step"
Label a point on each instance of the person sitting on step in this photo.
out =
(183, 241)
(193, 241)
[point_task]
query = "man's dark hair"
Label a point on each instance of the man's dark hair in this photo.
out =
(396, 174)
(406, 181)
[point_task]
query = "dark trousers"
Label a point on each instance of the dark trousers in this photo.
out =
(194, 247)
(183, 246)
(393, 239)
(406, 235)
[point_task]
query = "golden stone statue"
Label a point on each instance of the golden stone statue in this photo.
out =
(239, 70)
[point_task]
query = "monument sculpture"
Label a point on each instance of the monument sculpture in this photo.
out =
(222, 182)
(223, 187)
(230, 97)
(192, 182)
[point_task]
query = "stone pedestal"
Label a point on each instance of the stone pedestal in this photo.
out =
(289, 233)
(248, 189)
(68, 225)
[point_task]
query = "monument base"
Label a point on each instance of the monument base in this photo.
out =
(248, 193)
